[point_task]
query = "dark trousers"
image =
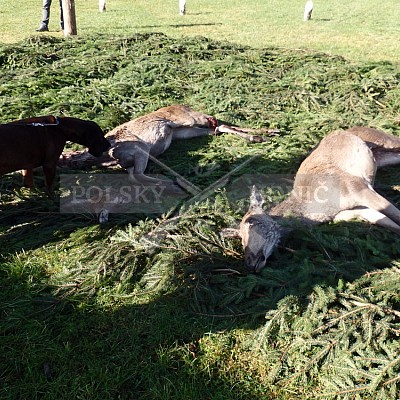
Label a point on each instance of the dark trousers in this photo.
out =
(46, 13)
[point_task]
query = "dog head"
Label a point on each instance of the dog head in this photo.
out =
(95, 140)
(84, 132)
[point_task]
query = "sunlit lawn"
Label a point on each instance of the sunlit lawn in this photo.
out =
(359, 30)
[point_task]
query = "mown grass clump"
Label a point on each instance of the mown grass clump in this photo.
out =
(155, 307)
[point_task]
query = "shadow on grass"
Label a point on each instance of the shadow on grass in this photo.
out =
(139, 352)
(176, 345)
(33, 220)
(176, 25)
(29, 219)
(180, 342)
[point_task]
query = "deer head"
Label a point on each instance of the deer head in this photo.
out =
(260, 234)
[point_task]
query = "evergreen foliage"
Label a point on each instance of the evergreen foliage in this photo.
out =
(165, 300)
(346, 338)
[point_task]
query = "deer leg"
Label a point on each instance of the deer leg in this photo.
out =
(368, 198)
(379, 203)
(136, 171)
(168, 187)
(386, 159)
(239, 132)
(269, 131)
(103, 216)
(371, 216)
(137, 175)
(189, 132)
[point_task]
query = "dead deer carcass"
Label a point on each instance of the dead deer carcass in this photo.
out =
(135, 142)
(335, 182)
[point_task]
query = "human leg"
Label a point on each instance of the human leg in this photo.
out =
(44, 25)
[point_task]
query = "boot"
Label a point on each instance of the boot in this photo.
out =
(44, 25)
(42, 28)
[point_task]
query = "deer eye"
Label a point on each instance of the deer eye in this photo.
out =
(251, 221)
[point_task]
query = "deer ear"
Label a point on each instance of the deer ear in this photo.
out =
(256, 199)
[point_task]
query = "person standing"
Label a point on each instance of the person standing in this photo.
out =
(44, 25)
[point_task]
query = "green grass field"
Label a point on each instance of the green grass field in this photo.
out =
(359, 30)
(120, 311)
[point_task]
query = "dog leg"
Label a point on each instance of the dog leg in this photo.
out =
(49, 175)
(27, 178)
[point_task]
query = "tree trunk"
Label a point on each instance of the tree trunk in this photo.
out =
(69, 17)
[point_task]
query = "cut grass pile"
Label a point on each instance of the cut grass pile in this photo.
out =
(124, 311)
